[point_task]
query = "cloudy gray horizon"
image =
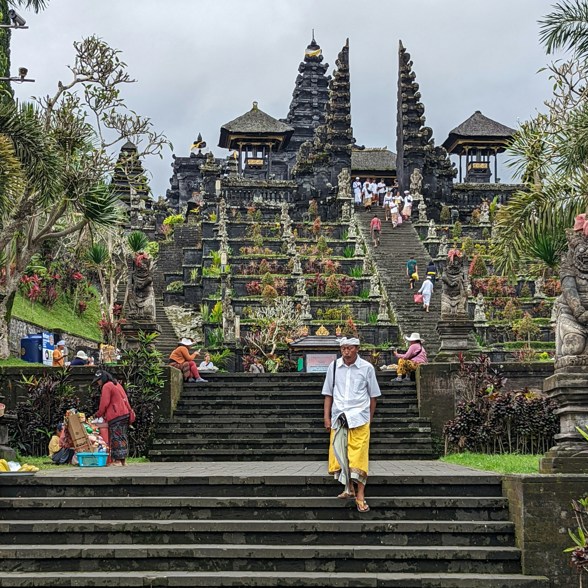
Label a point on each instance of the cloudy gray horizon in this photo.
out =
(201, 63)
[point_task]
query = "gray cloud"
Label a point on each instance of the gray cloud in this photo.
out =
(201, 63)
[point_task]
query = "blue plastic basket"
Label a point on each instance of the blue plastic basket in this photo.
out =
(92, 460)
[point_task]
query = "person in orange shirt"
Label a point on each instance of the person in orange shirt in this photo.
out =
(182, 359)
(59, 354)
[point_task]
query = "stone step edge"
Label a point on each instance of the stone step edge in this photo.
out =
(480, 503)
(226, 578)
(254, 525)
(263, 551)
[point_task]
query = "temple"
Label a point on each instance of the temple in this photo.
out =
(478, 139)
(255, 136)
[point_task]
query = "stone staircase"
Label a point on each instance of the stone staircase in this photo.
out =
(397, 246)
(279, 417)
(167, 340)
(258, 524)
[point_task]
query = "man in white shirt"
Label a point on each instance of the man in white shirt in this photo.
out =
(350, 392)
(381, 192)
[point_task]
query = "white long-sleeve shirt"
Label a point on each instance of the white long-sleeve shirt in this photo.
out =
(355, 386)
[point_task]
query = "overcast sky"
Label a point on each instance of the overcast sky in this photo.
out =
(201, 63)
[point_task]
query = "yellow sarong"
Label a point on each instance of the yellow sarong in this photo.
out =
(355, 448)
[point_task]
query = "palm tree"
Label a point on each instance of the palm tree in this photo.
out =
(550, 155)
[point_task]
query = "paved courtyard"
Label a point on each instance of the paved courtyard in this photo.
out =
(264, 469)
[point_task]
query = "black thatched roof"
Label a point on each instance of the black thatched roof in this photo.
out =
(479, 129)
(254, 123)
(373, 160)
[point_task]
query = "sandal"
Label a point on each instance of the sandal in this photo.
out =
(362, 505)
(345, 495)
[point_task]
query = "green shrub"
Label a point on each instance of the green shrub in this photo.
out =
(467, 246)
(332, 288)
(215, 338)
(349, 251)
(174, 219)
(456, 230)
(216, 314)
(175, 287)
(356, 272)
(478, 267)
(445, 215)
(364, 294)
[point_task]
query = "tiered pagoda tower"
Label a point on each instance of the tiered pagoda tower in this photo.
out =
(319, 162)
(415, 145)
(129, 181)
(310, 97)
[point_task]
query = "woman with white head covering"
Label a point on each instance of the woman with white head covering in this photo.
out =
(426, 290)
(350, 392)
(357, 191)
(415, 355)
(182, 359)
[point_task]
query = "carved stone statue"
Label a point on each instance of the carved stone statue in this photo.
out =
(443, 247)
(291, 245)
(422, 212)
(141, 296)
(374, 286)
(296, 266)
(454, 295)
(346, 212)
(383, 316)
(228, 317)
(344, 185)
(367, 265)
(480, 309)
(305, 313)
(416, 183)
(300, 287)
(484, 212)
(539, 285)
(352, 233)
(571, 306)
(222, 208)
(432, 232)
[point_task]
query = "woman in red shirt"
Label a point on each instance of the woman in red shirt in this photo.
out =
(117, 412)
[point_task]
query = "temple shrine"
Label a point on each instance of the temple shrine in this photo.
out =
(478, 139)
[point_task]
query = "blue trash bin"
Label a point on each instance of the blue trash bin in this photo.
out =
(31, 348)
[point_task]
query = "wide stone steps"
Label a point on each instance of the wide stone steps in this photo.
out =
(430, 524)
(484, 509)
(159, 453)
(220, 421)
(245, 578)
(263, 558)
(254, 532)
(404, 243)
(270, 434)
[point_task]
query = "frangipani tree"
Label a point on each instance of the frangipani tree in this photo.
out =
(56, 158)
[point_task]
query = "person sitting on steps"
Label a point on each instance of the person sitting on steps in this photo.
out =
(182, 359)
(415, 355)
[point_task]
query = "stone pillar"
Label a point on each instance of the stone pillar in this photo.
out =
(456, 337)
(569, 384)
(569, 388)
(131, 330)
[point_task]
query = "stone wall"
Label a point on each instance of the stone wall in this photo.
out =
(20, 329)
(540, 507)
(437, 387)
(81, 377)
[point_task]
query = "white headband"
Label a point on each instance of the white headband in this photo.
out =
(350, 341)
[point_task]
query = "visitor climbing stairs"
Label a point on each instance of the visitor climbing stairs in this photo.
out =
(397, 246)
(280, 417)
(257, 524)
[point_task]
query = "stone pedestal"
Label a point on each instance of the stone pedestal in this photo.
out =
(131, 331)
(569, 388)
(456, 337)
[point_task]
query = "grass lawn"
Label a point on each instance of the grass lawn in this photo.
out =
(60, 317)
(16, 362)
(44, 463)
(508, 463)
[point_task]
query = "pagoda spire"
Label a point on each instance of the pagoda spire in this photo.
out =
(415, 146)
(339, 133)
(129, 181)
